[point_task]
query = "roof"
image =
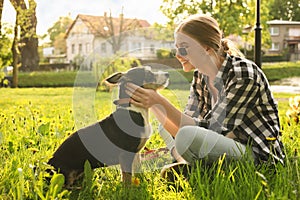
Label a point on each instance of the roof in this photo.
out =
(97, 24)
(283, 22)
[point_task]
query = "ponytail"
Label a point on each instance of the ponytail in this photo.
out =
(228, 47)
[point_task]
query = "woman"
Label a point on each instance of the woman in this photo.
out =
(239, 110)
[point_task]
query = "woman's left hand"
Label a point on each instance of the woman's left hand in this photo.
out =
(141, 97)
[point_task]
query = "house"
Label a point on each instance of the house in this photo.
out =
(285, 36)
(51, 57)
(92, 36)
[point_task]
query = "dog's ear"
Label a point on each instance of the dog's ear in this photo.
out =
(114, 78)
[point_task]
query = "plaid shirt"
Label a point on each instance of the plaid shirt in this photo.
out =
(245, 106)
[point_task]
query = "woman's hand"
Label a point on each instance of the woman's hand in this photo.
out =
(141, 97)
(168, 115)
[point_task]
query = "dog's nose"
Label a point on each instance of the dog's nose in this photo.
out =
(167, 75)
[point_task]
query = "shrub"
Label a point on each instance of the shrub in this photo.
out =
(164, 53)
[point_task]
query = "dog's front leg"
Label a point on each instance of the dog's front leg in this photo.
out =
(126, 161)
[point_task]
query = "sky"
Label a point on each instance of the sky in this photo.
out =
(49, 11)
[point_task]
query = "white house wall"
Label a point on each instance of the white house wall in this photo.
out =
(79, 35)
(135, 45)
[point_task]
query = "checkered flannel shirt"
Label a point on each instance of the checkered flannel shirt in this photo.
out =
(245, 106)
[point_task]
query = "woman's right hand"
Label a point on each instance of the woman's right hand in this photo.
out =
(142, 97)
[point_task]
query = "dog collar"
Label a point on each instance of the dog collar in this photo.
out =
(122, 102)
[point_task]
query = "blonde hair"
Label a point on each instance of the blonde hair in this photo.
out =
(205, 30)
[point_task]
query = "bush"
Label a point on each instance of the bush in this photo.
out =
(273, 71)
(53, 79)
(274, 58)
(164, 53)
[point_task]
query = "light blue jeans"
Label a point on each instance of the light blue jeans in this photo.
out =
(195, 143)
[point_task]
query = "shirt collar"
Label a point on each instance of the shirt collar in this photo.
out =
(222, 74)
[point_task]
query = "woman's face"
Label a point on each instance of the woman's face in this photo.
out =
(189, 50)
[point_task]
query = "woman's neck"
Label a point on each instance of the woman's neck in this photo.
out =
(216, 63)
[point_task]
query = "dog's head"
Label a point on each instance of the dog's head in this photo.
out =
(141, 76)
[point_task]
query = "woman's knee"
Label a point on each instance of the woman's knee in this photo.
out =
(185, 138)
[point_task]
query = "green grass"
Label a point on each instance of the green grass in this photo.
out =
(34, 122)
(278, 71)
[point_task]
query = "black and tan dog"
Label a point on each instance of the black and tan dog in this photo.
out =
(116, 139)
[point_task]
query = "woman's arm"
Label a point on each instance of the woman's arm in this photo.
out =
(169, 116)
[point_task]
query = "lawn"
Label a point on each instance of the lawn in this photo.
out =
(33, 122)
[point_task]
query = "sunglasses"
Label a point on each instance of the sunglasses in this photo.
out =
(180, 51)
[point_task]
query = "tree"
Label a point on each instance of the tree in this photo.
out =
(25, 43)
(115, 29)
(5, 42)
(232, 15)
(162, 32)
(1, 10)
(57, 34)
(285, 10)
(5, 45)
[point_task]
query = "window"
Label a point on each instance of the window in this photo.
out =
(294, 32)
(274, 47)
(79, 48)
(103, 47)
(73, 48)
(274, 31)
(137, 46)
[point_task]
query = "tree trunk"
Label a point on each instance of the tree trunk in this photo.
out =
(115, 30)
(1, 10)
(28, 41)
(29, 54)
(15, 54)
(29, 49)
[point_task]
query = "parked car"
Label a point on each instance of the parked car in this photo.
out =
(8, 77)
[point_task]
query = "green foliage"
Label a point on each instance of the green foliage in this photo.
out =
(177, 10)
(285, 10)
(5, 47)
(55, 79)
(26, 19)
(274, 58)
(232, 16)
(164, 53)
(5, 50)
(88, 184)
(56, 186)
(163, 32)
(60, 26)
